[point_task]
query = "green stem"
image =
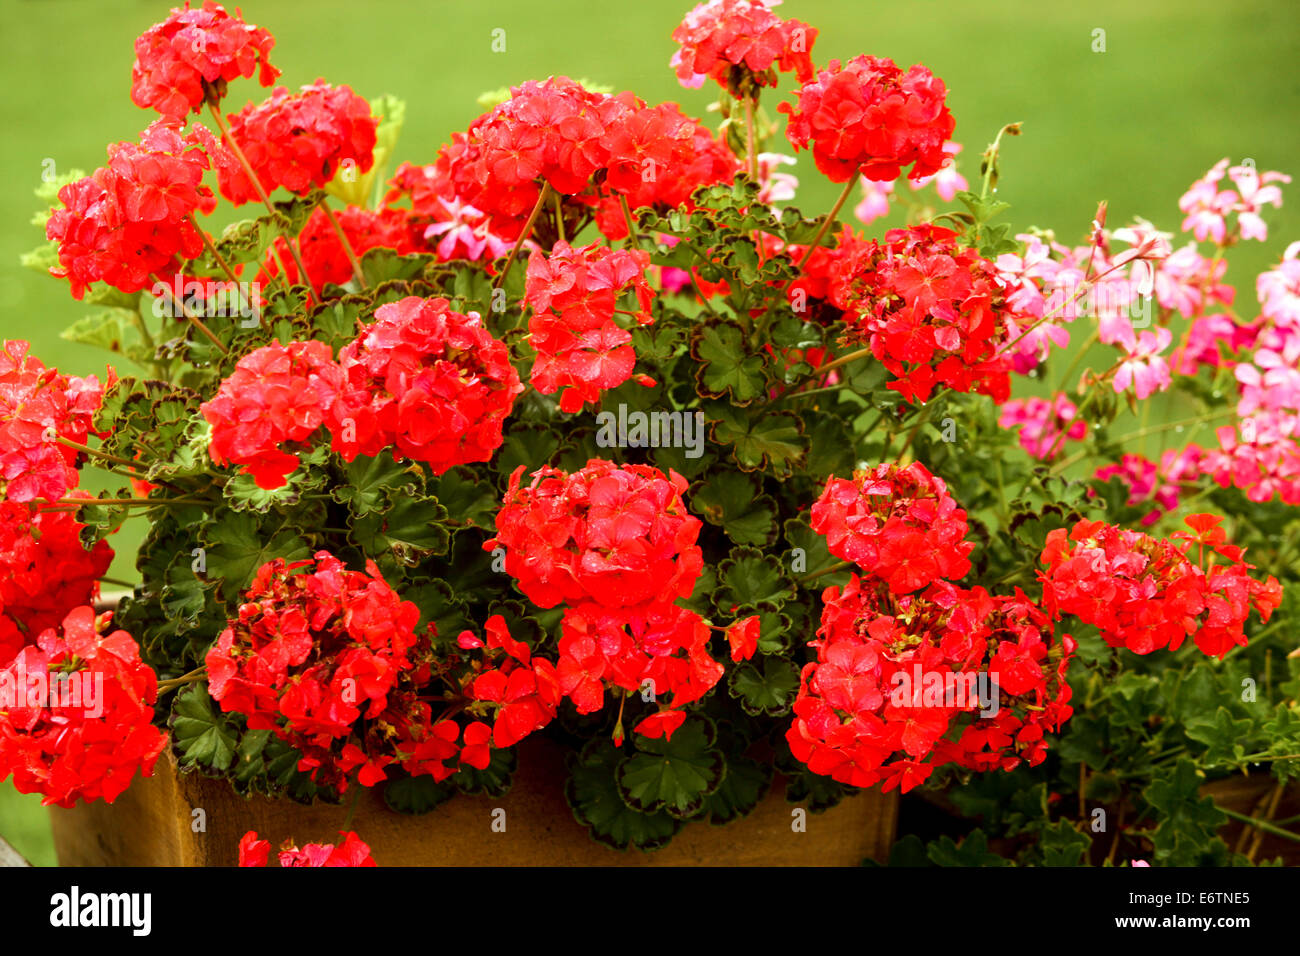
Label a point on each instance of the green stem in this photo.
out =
(1260, 824)
(842, 360)
(749, 138)
(840, 566)
(195, 321)
(198, 674)
(96, 453)
(343, 240)
(559, 218)
(523, 235)
(826, 224)
(261, 194)
(633, 241)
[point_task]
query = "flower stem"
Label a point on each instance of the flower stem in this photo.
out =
(839, 566)
(195, 321)
(207, 242)
(96, 453)
(1260, 824)
(633, 240)
(261, 194)
(751, 155)
(842, 360)
(195, 675)
(826, 224)
(523, 235)
(343, 240)
(559, 217)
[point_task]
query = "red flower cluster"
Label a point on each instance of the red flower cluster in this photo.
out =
(523, 689)
(560, 133)
(905, 684)
(870, 117)
(277, 394)
(899, 524)
(324, 256)
(128, 222)
(1146, 594)
(329, 660)
(44, 572)
(553, 131)
(76, 713)
(658, 157)
(615, 535)
(437, 221)
(38, 405)
(741, 44)
(429, 382)
(297, 140)
(574, 293)
(351, 852)
(656, 647)
(932, 311)
(617, 545)
(192, 55)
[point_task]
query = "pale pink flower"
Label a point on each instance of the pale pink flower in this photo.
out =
(1160, 484)
(776, 186)
(465, 234)
(947, 181)
(1186, 279)
(1143, 367)
(1041, 422)
(1206, 207)
(1254, 195)
(1279, 289)
(1202, 348)
(875, 201)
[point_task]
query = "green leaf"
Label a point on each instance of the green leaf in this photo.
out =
(732, 501)
(367, 480)
(973, 851)
(184, 595)
(528, 445)
(726, 368)
(238, 544)
(465, 496)
(751, 581)
(830, 447)
(673, 775)
(909, 851)
(765, 687)
(416, 795)
(1063, 845)
(1185, 833)
(1222, 734)
(745, 783)
(202, 736)
(242, 492)
(593, 795)
(105, 329)
(771, 441)
(412, 528)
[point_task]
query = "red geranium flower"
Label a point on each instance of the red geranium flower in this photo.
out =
(191, 56)
(868, 117)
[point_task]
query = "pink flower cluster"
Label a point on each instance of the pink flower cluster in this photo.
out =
(1041, 423)
(1208, 207)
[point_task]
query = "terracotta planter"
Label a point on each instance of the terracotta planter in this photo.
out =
(150, 825)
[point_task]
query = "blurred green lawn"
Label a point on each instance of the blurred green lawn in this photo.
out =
(1181, 84)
